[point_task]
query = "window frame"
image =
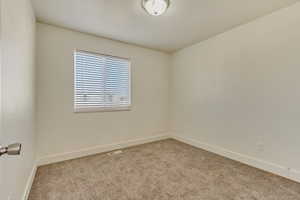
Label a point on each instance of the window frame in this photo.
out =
(101, 109)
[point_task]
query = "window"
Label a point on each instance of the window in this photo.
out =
(101, 82)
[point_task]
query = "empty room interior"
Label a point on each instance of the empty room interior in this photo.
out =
(150, 100)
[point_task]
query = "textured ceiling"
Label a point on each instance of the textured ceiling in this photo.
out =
(186, 22)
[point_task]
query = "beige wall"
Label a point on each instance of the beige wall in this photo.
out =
(60, 129)
(240, 90)
(18, 95)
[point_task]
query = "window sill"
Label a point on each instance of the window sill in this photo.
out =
(113, 109)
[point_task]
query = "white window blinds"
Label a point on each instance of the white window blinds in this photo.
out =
(101, 82)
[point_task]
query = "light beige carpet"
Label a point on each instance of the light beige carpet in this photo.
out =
(165, 170)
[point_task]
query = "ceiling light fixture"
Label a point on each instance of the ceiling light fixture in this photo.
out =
(155, 7)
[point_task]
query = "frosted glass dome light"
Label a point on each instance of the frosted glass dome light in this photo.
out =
(155, 7)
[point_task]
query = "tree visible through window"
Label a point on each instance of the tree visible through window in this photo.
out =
(101, 82)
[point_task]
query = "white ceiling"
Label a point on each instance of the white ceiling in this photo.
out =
(186, 22)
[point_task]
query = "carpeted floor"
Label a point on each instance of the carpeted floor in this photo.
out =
(165, 170)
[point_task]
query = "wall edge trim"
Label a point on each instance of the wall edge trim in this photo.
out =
(270, 167)
(29, 182)
(99, 149)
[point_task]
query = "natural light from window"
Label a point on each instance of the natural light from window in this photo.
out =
(101, 82)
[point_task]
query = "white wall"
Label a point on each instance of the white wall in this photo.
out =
(60, 130)
(18, 94)
(240, 90)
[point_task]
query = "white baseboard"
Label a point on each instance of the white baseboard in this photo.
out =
(251, 161)
(283, 171)
(29, 183)
(98, 149)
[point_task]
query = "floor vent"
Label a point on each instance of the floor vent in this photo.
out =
(115, 152)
